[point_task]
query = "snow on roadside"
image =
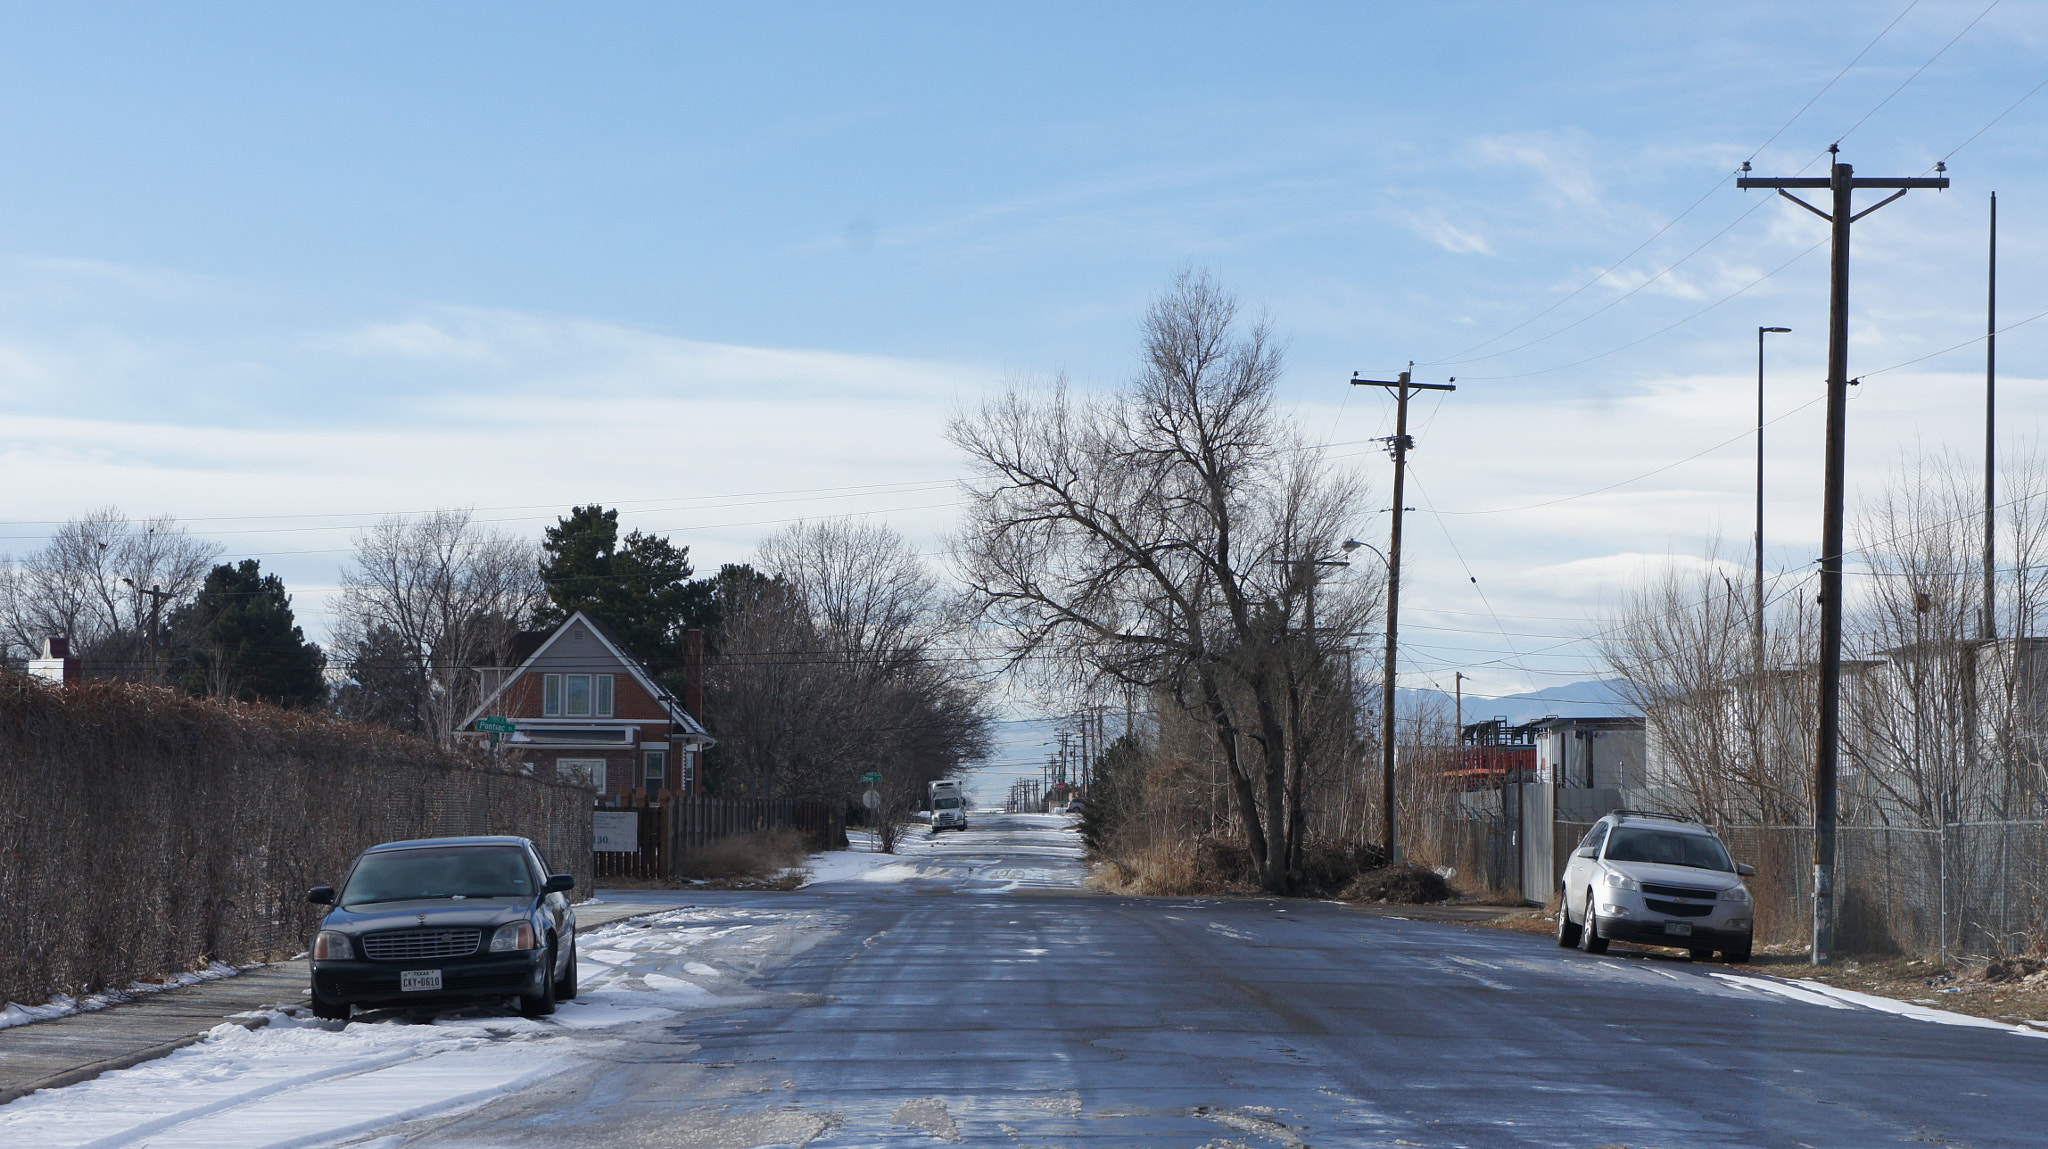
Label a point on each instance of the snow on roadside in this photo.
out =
(1814, 992)
(65, 1006)
(300, 1082)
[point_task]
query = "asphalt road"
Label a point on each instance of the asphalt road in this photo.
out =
(969, 999)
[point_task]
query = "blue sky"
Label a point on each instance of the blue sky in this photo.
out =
(278, 269)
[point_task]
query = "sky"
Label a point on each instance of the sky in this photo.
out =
(280, 270)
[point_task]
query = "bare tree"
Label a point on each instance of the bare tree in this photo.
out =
(1166, 536)
(827, 669)
(110, 584)
(434, 594)
(1729, 726)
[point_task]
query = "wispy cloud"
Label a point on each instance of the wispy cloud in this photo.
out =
(1433, 227)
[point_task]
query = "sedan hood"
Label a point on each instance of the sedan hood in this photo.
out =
(439, 913)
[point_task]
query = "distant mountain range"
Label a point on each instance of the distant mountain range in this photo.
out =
(1590, 699)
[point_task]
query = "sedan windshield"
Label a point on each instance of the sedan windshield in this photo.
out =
(439, 872)
(1636, 844)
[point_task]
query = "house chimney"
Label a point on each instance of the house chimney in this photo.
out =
(693, 673)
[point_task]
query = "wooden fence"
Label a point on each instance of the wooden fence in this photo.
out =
(643, 838)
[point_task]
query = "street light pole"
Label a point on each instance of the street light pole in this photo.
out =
(1757, 591)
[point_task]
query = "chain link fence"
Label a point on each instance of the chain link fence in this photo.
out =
(143, 832)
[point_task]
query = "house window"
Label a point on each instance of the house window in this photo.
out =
(590, 770)
(576, 696)
(657, 771)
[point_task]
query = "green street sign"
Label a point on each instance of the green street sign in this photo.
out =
(871, 777)
(496, 724)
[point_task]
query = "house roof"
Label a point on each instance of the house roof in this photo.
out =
(683, 720)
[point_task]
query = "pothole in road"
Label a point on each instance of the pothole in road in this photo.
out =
(930, 1115)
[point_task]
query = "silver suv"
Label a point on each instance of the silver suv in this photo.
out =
(1658, 880)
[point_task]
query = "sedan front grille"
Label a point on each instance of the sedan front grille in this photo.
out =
(1678, 910)
(418, 945)
(1680, 892)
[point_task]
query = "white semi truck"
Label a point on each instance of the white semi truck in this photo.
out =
(949, 806)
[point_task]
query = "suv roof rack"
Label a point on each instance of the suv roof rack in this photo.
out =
(1658, 814)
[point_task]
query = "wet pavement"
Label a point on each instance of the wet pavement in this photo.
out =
(967, 991)
(1023, 1016)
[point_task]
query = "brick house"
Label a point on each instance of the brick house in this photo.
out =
(584, 705)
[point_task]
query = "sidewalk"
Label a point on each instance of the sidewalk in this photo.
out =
(66, 1050)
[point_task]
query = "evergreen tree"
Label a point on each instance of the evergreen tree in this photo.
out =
(640, 588)
(382, 687)
(1116, 794)
(238, 639)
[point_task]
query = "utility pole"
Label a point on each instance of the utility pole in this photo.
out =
(1397, 445)
(157, 596)
(1842, 182)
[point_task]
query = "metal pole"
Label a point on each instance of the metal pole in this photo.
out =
(1757, 591)
(1989, 629)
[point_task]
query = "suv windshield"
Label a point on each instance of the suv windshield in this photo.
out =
(439, 872)
(1638, 844)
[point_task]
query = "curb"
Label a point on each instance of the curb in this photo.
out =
(125, 1061)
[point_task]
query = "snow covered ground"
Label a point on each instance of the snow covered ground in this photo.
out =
(998, 853)
(302, 1082)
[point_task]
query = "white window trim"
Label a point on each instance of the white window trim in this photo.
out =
(602, 692)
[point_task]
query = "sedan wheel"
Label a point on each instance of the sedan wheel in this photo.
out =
(542, 1003)
(329, 1010)
(565, 986)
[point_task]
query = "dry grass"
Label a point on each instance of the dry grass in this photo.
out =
(1173, 871)
(771, 859)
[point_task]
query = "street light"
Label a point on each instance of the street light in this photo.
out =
(1757, 622)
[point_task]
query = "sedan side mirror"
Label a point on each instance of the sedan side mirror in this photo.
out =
(1745, 869)
(321, 895)
(556, 883)
(1585, 852)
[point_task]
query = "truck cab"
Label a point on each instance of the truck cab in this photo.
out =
(949, 807)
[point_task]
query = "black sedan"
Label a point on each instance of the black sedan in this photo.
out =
(441, 921)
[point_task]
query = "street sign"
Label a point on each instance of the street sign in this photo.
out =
(871, 777)
(496, 724)
(872, 800)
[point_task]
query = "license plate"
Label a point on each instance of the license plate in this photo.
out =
(418, 979)
(1674, 929)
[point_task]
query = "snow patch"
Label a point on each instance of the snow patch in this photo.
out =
(64, 1006)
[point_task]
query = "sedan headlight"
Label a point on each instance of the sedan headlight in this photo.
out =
(330, 945)
(1735, 894)
(1617, 880)
(512, 936)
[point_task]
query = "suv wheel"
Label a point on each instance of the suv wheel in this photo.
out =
(1737, 956)
(1567, 933)
(1590, 932)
